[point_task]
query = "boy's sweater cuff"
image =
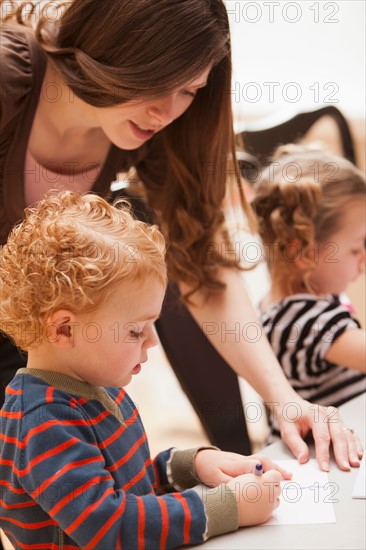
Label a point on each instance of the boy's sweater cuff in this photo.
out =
(221, 509)
(182, 469)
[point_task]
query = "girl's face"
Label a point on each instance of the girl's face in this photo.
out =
(130, 124)
(341, 259)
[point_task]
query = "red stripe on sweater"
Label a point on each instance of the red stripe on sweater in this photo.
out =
(128, 455)
(39, 546)
(73, 403)
(66, 468)
(44, 456)
(114, 517)
(141, 524)
(18, 505)
(49, 394)
(120, 396)
(157, 481)
(14, 415)
(75, 524)
(187, 517)
(40, 458)
(164, 523)
(12, 488)
(14, 440)
(11, 391)
(135, 479)
(112, 438)
(50, 424)
(132, 418)
(76, 492)
(30, 526)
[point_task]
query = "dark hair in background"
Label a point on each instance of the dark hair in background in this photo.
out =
(300, 200)
(113, 51)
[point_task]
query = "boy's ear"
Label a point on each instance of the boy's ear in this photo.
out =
(60, 328)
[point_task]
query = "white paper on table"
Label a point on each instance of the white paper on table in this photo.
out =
(307, 498)
(359, 489)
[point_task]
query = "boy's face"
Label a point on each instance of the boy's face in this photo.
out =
(342, 258)
(111, 343)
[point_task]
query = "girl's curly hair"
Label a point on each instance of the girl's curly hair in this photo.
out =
(70, 252)
(299, 201)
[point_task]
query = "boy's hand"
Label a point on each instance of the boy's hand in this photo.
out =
(215, 467)
(257, 496)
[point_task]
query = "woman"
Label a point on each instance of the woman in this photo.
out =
(102, 87)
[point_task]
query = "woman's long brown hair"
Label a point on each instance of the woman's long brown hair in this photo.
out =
(113, 51)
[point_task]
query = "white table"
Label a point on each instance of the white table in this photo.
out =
(348, 531)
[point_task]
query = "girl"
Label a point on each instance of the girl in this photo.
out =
(102, 87)
(312, 220)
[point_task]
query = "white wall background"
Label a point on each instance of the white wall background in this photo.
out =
(289, 56)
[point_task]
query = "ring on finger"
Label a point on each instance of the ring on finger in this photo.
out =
(348, 430)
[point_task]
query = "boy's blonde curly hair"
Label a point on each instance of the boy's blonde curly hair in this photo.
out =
(70, 252)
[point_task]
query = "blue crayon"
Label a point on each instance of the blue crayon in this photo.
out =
(258, 469)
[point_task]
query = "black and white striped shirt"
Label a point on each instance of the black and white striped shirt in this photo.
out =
(301, 329)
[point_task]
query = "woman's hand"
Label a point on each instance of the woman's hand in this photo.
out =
(256, 362)
(214, 467)
(327, 427)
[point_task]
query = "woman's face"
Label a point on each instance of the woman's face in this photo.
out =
(130, 124)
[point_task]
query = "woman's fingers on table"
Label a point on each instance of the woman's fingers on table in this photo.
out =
(347, 446)
(292, 436)
(359, 446)
(328, 428)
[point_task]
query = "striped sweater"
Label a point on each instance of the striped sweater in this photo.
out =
(76, 472)
(301, 329)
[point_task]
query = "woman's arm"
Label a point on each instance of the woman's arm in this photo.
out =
(349, 350)
(230, 323)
